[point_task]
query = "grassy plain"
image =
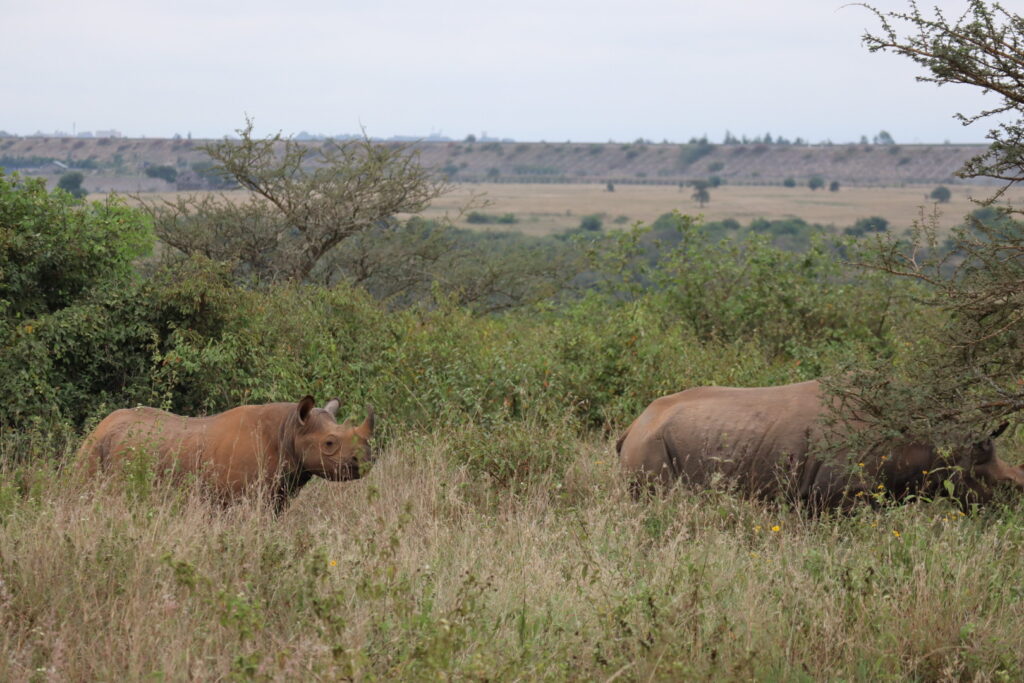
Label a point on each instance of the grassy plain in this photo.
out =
(422, 571)
(551, 208)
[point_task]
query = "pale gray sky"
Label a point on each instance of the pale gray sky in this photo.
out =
(580, 70)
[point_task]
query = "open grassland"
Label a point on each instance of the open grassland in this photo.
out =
(545, 209)
(425, 570)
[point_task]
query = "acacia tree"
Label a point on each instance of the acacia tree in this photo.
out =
(700, 192)
(964, 371)
(303, 201)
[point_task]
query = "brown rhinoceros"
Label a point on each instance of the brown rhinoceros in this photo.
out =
(270, 450)
(769, 442)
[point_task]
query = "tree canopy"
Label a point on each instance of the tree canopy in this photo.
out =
(962, 371)
(303, 201)
(983, 48)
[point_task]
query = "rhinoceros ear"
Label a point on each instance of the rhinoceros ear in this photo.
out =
(304, 407)
(365, 430)
(332, 407)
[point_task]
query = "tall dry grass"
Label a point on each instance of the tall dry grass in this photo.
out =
(428, 568)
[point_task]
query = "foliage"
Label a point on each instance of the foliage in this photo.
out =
(420, 262)
(212, 176)
(789, 182)
(729, 290)
(72, 184)
(114, 346)
(700, 192)
(168, 173)
(981, 48)
(304, 201)
(395, 321)
(18, 162)
(591, 223)
(816, 182)
(54, 249)
(480, 218)
(864, 226)
(884, 138)
(941, 194)
(963, 376)
(693, 152)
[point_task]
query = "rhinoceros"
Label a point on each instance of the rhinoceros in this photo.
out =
(770, 442)
(269, 450)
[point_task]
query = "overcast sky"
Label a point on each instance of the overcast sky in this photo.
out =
(555, 70)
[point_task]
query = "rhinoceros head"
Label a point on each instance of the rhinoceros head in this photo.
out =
(981, 471)
(328, 449)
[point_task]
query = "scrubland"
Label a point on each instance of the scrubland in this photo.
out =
(494, 538)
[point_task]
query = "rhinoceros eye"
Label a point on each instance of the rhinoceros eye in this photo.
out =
(330, 445)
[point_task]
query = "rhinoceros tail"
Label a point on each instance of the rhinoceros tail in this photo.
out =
(87, 460)
(622, 439)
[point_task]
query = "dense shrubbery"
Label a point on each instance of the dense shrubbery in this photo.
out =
(168, 173)
(54, 249)
(653, 311)
(481, 218)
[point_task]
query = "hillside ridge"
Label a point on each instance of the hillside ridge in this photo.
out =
(119, 164)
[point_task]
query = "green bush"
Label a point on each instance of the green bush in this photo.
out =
(694, 151)
(480, 218)
(168, 173)
(656, 311)
(941, 194)
(72, 184)
(53, 249)
(863, 226)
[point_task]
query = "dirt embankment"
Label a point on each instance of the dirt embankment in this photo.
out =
(121, 163)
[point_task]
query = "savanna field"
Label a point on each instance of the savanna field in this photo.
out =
(494, 538)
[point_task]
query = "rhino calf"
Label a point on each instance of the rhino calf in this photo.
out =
(270, 450)
(768, 442)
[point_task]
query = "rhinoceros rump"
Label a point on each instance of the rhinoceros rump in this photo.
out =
(768, 442)
(271, 449)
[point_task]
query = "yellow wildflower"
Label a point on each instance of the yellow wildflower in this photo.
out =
(776, 528)
(334, 563)
(860, 464)
(895, 533)
(757, 527)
